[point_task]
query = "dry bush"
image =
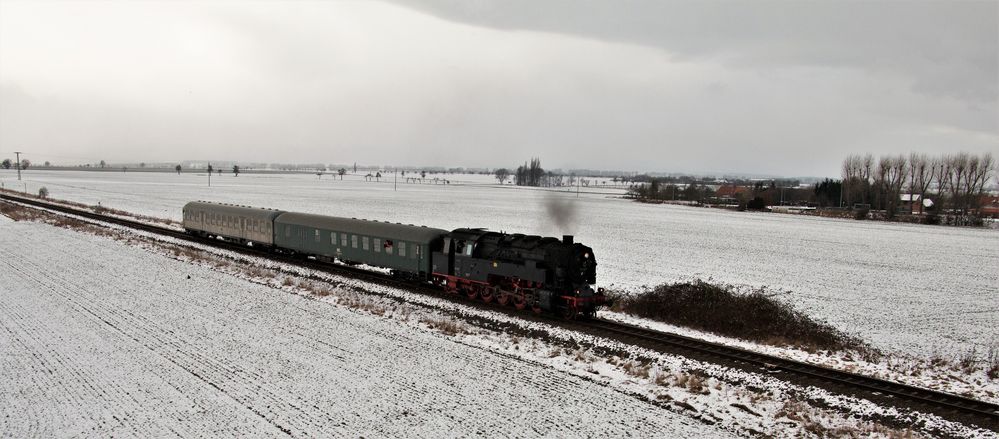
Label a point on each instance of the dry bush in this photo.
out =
(445, 325)
(808, 418)
(720, 309)
(288, 282)
(662, 378)
(992, 364)
(636, 368)
(696, 384)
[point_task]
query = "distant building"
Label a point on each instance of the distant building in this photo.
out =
(990, 206)
(912, 202)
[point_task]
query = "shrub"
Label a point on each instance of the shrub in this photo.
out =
(43, 192)
(719, 309)
(756, 204)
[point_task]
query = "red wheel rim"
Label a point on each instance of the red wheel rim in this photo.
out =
(487, 294)
(471, 293)
(503, 298)
(519, 301)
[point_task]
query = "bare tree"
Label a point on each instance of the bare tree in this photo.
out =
(852, 171)
(235, 171)
(959, 164)
(881, 181)
(177, 168)
(341, 171)
(502, 174)
(866, 173)
(921, 175)
(897, 172)
(979, 172)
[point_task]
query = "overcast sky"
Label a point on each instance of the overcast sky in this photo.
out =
(786, 88)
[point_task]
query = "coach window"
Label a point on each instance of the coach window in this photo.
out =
(353, 241)
(332, 238)
(366, 243)
(377, 245)
(416, 252)
(317, 235)
(402, 248)
(343, 239)
(287, 231)
(388, 247)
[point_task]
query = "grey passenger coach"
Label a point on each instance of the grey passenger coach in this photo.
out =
(238, 223)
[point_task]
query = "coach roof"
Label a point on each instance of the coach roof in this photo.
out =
(233, 209)
(378, 229)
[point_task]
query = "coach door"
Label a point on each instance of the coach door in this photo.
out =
(449, 250)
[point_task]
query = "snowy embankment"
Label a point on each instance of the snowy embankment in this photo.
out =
(100, 338)
(668, 385)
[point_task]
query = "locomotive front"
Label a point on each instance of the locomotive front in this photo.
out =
(575, 272)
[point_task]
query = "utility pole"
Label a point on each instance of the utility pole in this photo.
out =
(395, 180)
(209, 175)
(18, 165)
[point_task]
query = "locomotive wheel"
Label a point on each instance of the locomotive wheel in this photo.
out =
(536, 307)
(504, 297)
(487, 294)
(568, 313)
(471, 293)
(519, 301)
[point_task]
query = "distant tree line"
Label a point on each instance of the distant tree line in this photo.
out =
(955, 182)
(8, 163)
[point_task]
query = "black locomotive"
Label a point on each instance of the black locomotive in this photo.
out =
(523, 271)
(545, 274)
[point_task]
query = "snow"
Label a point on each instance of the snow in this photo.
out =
(916, 289)
(105, 339)
(730, 399)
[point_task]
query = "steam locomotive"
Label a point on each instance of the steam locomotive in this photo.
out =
(543, 274)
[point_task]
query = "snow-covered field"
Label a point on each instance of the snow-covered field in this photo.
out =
(911, 288)
(99, 338)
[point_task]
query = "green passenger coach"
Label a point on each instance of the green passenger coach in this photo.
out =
(400, 247)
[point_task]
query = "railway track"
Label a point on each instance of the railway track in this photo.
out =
(949, 406)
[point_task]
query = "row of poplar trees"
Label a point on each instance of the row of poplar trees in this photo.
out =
(953, 181)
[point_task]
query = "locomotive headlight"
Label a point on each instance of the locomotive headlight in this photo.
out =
(586, 255)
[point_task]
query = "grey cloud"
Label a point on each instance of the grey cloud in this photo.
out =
(944, 48)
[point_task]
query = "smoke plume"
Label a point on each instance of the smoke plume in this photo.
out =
(561, 213)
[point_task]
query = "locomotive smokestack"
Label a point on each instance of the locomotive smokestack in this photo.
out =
(567, 239)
